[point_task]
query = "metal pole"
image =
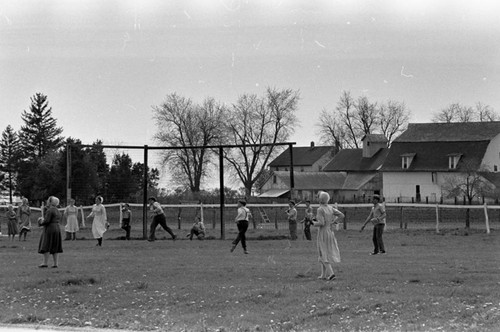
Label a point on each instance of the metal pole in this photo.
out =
(145, 196)
(221, 181)
(292, 182)
(68, 173)
(10, 170)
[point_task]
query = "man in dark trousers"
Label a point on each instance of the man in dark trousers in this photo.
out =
(242, 223)
(377, 218)
(158, 218)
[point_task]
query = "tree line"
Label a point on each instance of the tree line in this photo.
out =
(34, 159)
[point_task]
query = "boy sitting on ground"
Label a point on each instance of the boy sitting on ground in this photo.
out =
(197, 230)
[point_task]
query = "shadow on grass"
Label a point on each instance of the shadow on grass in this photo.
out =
(79, 281)
(21, 319)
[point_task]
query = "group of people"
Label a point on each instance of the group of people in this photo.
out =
(326, 216)
(19, 222)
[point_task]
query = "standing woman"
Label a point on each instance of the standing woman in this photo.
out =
(327, 243)
(100, 222)
(24, 218)
(50, 240)
(71, 215)
(12, 222)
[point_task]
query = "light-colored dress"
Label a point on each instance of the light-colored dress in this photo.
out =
(71, 214)
(328, 249)
(100, 220)
(24, 218)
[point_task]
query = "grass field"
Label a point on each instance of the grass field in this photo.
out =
(426, 282)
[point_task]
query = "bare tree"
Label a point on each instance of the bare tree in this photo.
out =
(181, 123)
(352, 120)
(255, 120)
(366, 115)
(331, 130)
(460, 113)
(485, 113)
(346, 109)
(393, 119)
(467, 183)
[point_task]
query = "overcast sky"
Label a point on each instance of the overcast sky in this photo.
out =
(104, 64)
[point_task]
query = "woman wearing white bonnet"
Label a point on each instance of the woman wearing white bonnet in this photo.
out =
(328, 250)
(100, 222)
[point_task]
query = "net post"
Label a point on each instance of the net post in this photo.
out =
(486, 218)
(221, 181)
(145, 196)
(292, 182)
(437, 218)
(121, 214)
(83, 217)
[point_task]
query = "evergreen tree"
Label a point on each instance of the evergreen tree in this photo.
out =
(100, 168)
(121, 184)
(9, 157)
(83, 177)
(40, 134)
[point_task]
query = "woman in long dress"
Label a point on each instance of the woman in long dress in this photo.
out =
(24, 218)
(100, 222)
(328, 249)
(50, 240)
(71, 215)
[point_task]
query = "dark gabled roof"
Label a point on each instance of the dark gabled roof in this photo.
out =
(349, 160)
(313, 180)
(376, 138)
(433, 156)
(450, 132)
(302, 156)
(493, 178)
(356, 181)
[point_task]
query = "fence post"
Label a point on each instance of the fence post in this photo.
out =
(437, 218)
(401, 217)
(345, 219)
(213, 219)
(275, 218)
(486, 219)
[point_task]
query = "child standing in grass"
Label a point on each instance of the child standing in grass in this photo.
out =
(24, 218)
(377, 218)
(308, 220)
(71, 215)
(12, 228)
(292, 220)
(126, 216)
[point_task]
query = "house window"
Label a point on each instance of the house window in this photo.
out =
(495, 168)
(274, 179)
(453, 161)
(434, 177)
(406, 162)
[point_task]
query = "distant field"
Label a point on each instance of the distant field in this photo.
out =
(426, 282)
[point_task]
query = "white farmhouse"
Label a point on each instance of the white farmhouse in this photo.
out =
(426, 154)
